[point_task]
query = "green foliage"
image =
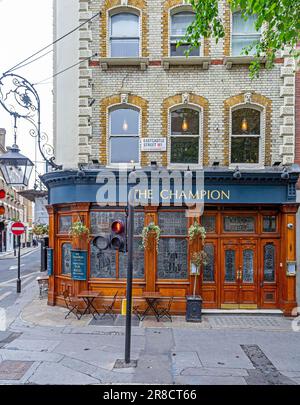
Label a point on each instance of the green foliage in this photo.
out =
(79, 229)
(40, 229)
(148, 230)
(278, 19)
(195, 229)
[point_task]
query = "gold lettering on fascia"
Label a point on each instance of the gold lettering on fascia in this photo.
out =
(214, 195)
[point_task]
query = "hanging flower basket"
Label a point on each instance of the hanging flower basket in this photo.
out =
(80, 235)
(40, 230)
(149, 231)
(196, 230)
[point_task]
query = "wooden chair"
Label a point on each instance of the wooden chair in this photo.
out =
(165, 311)
(136, 310)
(72, 304)
(109, 309)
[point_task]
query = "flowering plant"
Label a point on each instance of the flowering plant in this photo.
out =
(79, 229)
(151, 228)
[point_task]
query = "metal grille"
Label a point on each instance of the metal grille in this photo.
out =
(269, 262)
(230, 265)
(209, 268)
(248, 256)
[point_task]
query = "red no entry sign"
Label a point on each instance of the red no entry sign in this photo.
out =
(17, 228)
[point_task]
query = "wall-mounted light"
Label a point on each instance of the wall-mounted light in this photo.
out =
(237, 174)
(285, 174)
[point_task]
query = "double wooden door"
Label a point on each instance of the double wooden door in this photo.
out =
(239, 274)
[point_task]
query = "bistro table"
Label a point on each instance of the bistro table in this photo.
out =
(152, 299)
(88, 297)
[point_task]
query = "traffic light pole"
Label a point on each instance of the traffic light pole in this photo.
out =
(19, 265)
(130, 224)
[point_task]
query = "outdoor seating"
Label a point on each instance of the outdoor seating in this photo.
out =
(165, 311)
(72, 304)
(136, 310)
(109, 309)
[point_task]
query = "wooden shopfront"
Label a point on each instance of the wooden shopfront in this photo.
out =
(248, 244)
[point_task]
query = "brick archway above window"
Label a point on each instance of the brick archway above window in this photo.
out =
(189, 99)
(249, 99)
(118, 100)
(134, 5)
(167, 7)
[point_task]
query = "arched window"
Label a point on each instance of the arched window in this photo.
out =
(124, 35)
(246, 135)
(185, 131)
(244, 33)
(179, 24)
(124, 135)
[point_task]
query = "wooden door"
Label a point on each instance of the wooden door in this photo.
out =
(239, 274)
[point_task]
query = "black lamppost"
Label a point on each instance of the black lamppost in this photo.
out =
(21, 100)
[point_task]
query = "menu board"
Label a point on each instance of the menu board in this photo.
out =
(79, 264)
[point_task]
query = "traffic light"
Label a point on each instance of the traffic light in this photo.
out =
(115, 241)
(2, 209)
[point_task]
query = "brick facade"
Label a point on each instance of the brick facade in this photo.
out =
(274, 89)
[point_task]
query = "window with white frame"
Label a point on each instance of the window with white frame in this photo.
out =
(246, 136)
(244, 33)
(184, 136)
(179, 24)
(124, 35)
(124, 135)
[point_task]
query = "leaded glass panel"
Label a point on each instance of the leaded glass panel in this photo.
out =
(248, 258)
(103, 263)
(269, 223)
(230, 265)
(65, 222)
(209, 223)
(172, 258)
(139, 220)
(209, 267)
(172, 223)
(138, 261)
(269, 262)
(101, 221)
(239, 224)
(66, 258)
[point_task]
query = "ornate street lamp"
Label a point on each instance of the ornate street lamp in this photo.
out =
(20, 99)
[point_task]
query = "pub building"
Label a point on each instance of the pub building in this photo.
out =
(139, 103)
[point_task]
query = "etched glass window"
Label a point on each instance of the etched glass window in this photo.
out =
(173, 223)
(124, 135)
(269, 223)
(209, 223)
(138, 261)
(248, 258)
(239, 224)
(209, 267)
(65, 222)
(172, 258)
(66, 258)
(269, 262)
(179, 25)
(230, 265)
(185, 130)
(124, 35)
(103, 263)
(244, 33)
(245, 138)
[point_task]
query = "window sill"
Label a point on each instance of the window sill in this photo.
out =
(240, 60)
(105, 63)
(245, 166)
(184, 166)
(187, 61)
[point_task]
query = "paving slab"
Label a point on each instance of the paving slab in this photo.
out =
(184, 360)
(57, 374)
(159, 340)
(14, 370)
(27, 355)
(209, 380)
(78, 365)
(112, 377)
(153, 369)
(214, 371)
(36, 345)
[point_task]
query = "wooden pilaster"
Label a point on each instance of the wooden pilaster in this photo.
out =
(52, 233)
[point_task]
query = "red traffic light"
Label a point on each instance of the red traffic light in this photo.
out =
(118, 227)
(2, 194)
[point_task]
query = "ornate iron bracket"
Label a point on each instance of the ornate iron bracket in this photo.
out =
(21, 100)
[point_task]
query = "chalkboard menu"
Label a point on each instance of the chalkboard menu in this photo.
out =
(50, 261)
(79, 264)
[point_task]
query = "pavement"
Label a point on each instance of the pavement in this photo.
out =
(40, 347)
